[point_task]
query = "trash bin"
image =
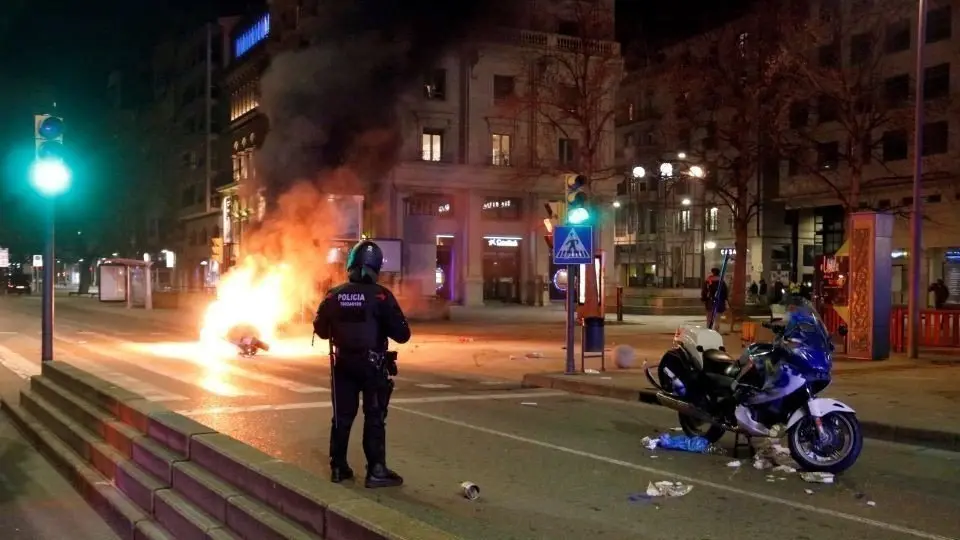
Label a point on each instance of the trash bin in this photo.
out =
(593, 335)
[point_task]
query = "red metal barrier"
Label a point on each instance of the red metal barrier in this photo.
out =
(938, 328)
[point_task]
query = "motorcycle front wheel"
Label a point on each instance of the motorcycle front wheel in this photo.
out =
(836, 451)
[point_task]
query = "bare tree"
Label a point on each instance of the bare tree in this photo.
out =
(844, 96)
(568, 104)
(569, 99)
(726, 98)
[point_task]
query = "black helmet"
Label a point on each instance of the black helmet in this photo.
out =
(365, 261)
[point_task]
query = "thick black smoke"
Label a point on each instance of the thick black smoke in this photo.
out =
(333, 104)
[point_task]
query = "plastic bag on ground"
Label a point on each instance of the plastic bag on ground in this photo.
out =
(685, 443)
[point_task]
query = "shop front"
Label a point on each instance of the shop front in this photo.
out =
(501, 268)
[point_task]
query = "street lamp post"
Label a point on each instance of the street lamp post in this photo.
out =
(50, 177)
(916, 220)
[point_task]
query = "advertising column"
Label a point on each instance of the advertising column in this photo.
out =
(870, 279)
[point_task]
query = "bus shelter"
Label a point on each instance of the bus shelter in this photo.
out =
(126, 280)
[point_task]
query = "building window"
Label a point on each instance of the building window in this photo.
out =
(504, 87)
(936, 81)
(828, 155)
(799, 114)
(895, 145)
(247, 39)
(709, 140)
(860, 47)
(936, 138)
(897, 37)
(712, 218)
(567, 151)
(896, 90)
(938, 24)
(829, 55)
(829, 10)
(432, 145)
(501, 208)
(435, 85)
(827, 109)
(683, 220)
(501, 150)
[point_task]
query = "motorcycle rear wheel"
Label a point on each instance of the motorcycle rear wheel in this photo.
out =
(694, 427)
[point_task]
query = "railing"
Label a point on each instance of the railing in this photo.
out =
(529, 38)
(938, 327)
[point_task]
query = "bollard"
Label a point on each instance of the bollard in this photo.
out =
(619, 303)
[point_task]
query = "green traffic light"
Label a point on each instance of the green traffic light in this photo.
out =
(578, 216)
(51, 177)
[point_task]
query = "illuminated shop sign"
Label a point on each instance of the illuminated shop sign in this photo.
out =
(491, 205)
(502, 241)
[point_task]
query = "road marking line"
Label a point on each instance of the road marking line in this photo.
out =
(326, 404)
(211, 383)
(279, 382)
(137, 386)
(688, 479)
(9, 333)
(18, 364)
(495, 383)
(434, 386)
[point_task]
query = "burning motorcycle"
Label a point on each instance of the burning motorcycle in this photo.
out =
(770, 389)
(247, 340)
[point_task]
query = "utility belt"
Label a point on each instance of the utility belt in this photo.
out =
(385, 362)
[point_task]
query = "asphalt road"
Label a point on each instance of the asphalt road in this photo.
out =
(549, 465)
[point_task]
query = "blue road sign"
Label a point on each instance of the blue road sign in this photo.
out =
(573, 245)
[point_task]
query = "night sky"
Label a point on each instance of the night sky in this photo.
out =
(63, 50)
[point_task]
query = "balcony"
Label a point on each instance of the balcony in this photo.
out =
(555, 42)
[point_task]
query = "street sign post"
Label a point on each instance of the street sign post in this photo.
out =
(4, 258)
(572, 246)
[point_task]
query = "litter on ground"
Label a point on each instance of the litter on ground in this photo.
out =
(667, 489)
(817, 477)
(684, 443)
(734, 464)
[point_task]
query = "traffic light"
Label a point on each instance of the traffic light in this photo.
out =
(49, 174)
(48, 134)
(577, 211)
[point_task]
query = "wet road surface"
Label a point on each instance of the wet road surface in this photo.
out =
(549, 465)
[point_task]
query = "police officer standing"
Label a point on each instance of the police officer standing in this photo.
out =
(358, 317)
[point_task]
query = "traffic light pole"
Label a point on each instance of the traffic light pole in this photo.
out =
(49, 262)
(573, 291)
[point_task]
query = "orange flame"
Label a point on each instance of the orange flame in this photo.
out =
(256, 294)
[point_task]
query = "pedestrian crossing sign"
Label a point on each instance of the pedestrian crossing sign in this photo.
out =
(573, 245)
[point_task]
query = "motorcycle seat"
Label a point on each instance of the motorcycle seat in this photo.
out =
(715, 361)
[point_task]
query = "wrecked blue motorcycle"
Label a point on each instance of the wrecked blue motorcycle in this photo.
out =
(770, 389)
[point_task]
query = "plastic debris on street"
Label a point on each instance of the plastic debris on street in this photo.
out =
(681, 442)
(817, 477)
(668, 489)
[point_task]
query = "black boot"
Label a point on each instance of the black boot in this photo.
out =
(340, 473)
(379, 476)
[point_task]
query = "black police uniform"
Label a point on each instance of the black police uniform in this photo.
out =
(358, 317)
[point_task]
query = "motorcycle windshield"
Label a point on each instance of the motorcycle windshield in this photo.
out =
(805, 335)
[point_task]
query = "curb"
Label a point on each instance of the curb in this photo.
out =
(941, 440)
(152, 473)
